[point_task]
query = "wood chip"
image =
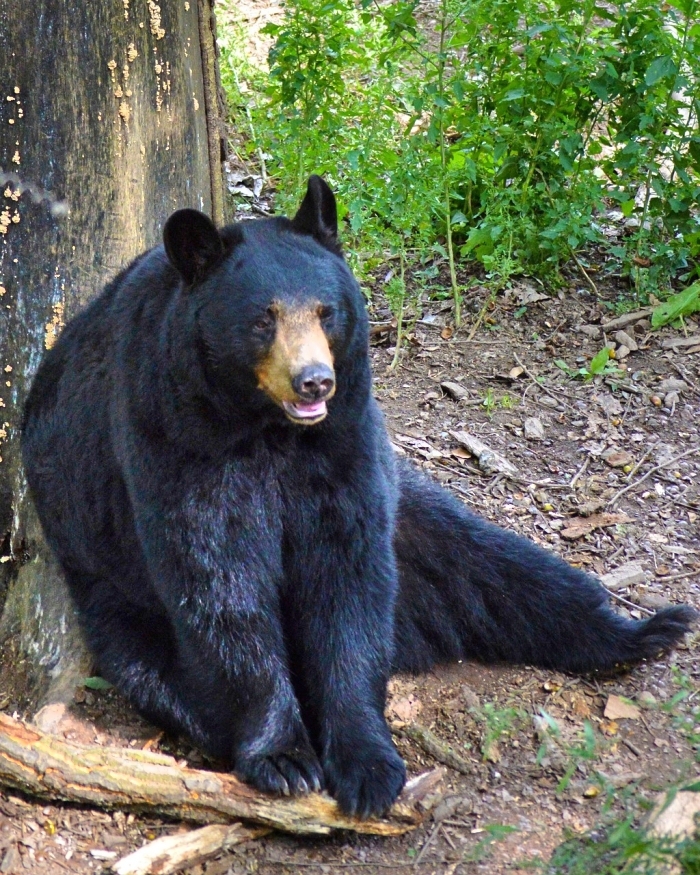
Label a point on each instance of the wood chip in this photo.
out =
(617, 458)
(679, 342)
(533, 429)
(405, 708)
(172, 853)
(454, 390)
(431, 744)
(580, 526)
(616, 708)
(627, 319)
(489, 460)
(626, 575)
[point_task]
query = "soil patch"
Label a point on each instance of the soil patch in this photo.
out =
(576, 445)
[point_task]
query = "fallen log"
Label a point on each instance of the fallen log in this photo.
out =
(172, 853)
(47, 767)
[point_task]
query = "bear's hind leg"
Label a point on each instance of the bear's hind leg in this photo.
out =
(469, 589)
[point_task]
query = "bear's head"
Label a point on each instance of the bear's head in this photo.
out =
(276, 311)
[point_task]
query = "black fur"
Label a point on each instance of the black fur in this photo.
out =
(250, 581)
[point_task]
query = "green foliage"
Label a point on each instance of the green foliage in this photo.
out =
(497, 723)
(97, 683)
(586, 748)
(677, 306)
(490, 402)
(495, 832)
(601, 363)
(395, 291)
(685, 712)
(497, 132)
(624, 847)
(623, 844)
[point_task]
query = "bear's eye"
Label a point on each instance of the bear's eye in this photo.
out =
(265, 323)
(326, 315)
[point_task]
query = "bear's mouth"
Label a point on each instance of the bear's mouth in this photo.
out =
(306, 412)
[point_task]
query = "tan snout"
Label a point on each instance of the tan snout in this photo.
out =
(297, 371)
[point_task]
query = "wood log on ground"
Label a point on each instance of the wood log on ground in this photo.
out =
(183, 850)
(47, 767)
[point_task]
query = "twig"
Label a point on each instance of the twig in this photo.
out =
(497, 341)
(428, 842)
(499, 478)
(555, 329)
(462, 491)
(640, 463)
(447, 836)
(585, 273)
(612, 383)
(682, 574)
(480, 317)
(692, 452)
(625, 601)
(645, 724)
(534, 379)
(356, 864)
(172, 853)
(431, 744)
(684, 374)
(633, 747)
(378, 327)
(47, 767)
(581, 471)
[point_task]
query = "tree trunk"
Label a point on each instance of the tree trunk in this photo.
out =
(109, 120)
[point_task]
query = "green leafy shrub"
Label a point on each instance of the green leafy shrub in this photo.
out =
(497, 131)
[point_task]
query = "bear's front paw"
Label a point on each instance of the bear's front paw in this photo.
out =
(366, 781)
(287, 771)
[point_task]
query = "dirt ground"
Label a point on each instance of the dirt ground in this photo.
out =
(576, 445)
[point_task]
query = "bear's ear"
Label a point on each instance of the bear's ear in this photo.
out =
(317, 215)
(192, 243)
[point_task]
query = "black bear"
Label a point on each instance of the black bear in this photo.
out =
(249, 560)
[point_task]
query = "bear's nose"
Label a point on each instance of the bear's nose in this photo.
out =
(314, 382)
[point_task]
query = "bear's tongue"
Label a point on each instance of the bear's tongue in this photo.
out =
(305, 409)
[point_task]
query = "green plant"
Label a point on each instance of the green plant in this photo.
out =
(624, 846)
(395, 291)
(601, 363)
(499, 135)
(585, 749)
(490, 402)
(651, 84)
(496, 724)
(495, 832)
(677, 306)
(686, 713)
(96, 683)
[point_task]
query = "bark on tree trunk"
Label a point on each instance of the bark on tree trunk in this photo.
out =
(110, 107)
